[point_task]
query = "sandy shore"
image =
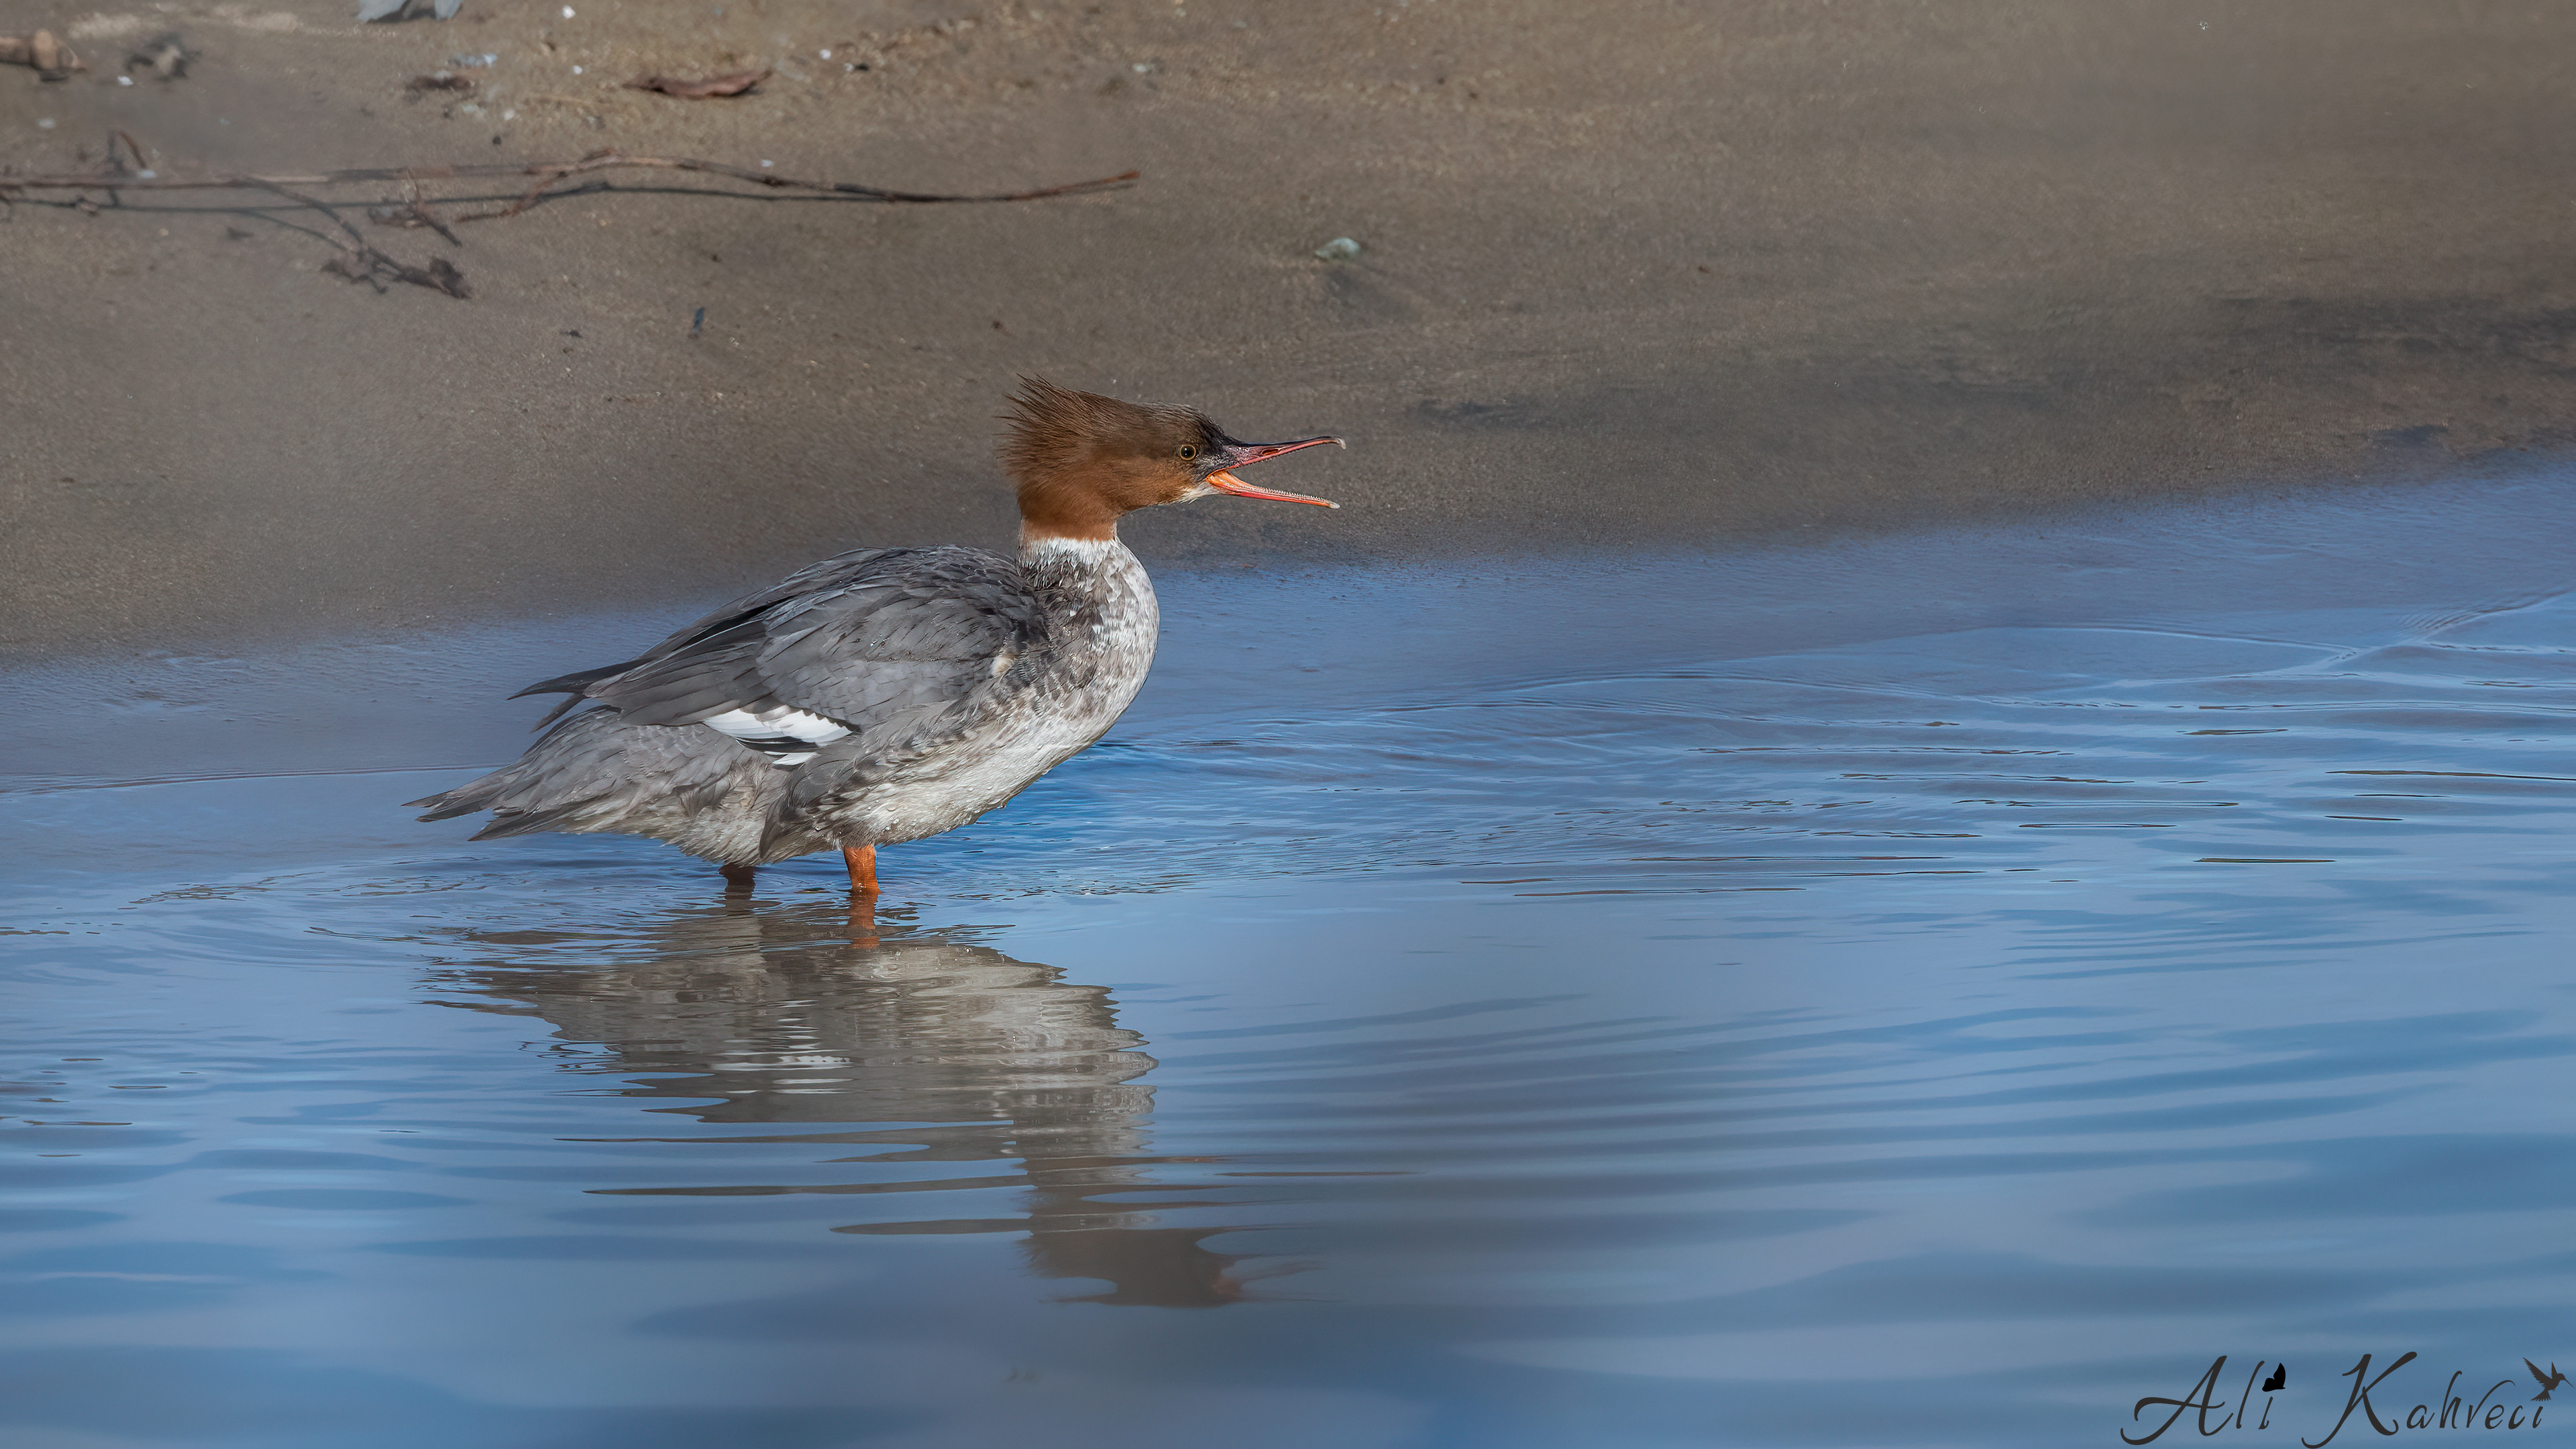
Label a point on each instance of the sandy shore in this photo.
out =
(1632, 272)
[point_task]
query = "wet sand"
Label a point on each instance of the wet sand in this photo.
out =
(1633, 273)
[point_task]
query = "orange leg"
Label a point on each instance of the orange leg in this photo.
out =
(862, 860)
(737, 878)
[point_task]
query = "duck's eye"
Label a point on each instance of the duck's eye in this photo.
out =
(1188, 451)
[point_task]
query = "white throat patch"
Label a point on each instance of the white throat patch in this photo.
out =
(1086, 549)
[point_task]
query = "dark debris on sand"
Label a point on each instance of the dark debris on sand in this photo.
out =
(734, 84)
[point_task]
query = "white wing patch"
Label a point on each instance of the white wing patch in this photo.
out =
(787, 735)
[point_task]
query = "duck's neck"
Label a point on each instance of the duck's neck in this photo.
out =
(1085, 566)
(1095, 591)
(1050, 553)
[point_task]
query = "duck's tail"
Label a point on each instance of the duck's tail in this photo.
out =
(596, 771)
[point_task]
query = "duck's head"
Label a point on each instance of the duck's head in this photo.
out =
(1083, 461)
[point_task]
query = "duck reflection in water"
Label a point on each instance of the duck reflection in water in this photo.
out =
(770, 1014)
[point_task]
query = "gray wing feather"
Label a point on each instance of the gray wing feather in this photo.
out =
(719, 673)
(814, 578)
(830, 573)
(891, 644)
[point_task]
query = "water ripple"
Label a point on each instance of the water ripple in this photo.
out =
(2024, 966)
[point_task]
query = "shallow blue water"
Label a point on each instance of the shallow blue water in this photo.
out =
(1931, 990)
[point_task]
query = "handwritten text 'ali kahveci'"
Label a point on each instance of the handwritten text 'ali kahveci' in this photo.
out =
(2500, 1407)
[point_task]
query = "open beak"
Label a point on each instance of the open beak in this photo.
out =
(1238, 454)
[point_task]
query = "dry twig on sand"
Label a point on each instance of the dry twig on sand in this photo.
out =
(360, 261)
(412, 212)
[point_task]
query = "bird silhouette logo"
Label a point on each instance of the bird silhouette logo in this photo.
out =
(2280, 1379)
(2547, 1381)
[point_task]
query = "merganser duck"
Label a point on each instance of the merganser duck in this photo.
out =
(886, 694)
